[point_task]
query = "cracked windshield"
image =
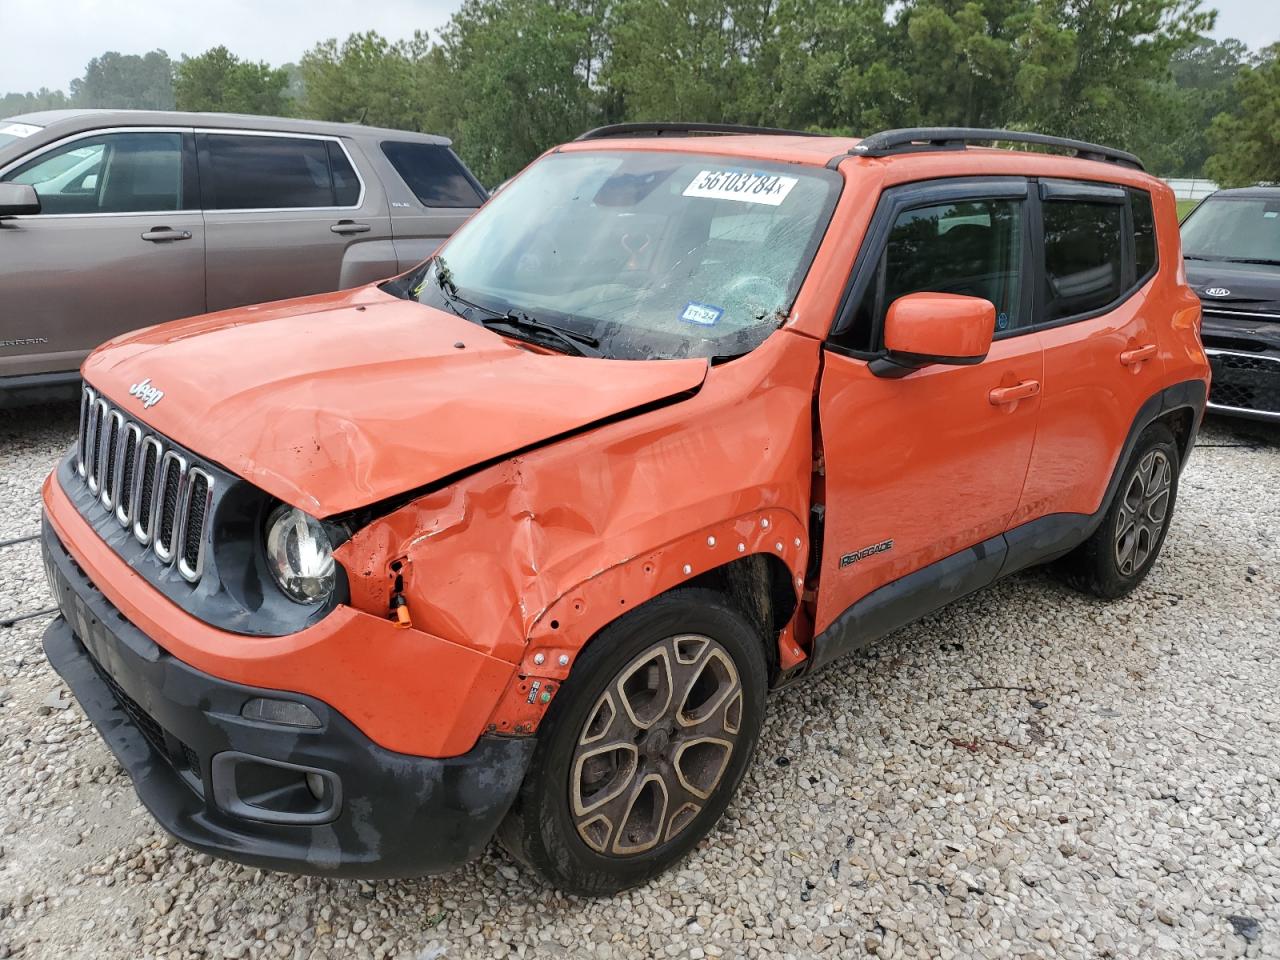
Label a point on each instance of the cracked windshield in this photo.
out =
(636, 255)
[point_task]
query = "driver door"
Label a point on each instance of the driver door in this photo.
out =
(924, 472)
(118, 244)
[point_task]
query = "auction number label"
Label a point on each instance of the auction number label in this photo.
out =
(741, 185)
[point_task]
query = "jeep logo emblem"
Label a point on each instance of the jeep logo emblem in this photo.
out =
(145, 392)
(1217, 291)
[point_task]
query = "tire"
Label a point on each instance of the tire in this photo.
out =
(594, 820)
(1120, 553)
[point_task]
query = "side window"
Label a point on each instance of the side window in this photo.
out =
(240, 172)
(346, 186)
(1144, 233)
(434, 175)
(111, 173)
(1083, 246)
(970, 247)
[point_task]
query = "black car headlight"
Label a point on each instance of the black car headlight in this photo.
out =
(300, 555)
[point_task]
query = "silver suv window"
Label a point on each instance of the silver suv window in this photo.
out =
(248, 172)
(137, 172)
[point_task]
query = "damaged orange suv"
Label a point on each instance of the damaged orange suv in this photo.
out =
(517, 543)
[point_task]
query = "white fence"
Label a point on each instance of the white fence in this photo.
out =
(1185, 188)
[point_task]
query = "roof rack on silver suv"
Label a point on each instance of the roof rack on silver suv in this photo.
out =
(919, 139)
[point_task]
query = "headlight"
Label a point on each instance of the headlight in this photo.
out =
(299, 554)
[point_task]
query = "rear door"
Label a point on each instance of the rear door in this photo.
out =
(1096, 259)
(431, 194)
(118, 244)
(923, 471)
(288, 215)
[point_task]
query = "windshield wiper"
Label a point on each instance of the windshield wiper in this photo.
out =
(1265, 261)
(580, 344)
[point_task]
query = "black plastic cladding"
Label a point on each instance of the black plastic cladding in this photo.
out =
(236, 591)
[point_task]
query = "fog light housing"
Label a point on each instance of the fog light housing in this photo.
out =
(289, 713)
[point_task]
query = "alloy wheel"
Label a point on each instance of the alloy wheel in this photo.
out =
(655, 746)
(1144, 509)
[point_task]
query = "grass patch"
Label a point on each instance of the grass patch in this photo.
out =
(1186, 206)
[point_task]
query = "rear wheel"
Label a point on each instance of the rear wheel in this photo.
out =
(1119, 554)
(643, 747)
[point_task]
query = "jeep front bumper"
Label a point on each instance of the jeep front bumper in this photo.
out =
(318, 799)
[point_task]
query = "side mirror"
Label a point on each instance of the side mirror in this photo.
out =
(17, 199)
(926, 328)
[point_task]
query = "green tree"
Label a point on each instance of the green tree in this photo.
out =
(126, 82)
(368, 79)
(516, 77)
(217, 80)
(1246, 139)
(12, 104)
(1173, 140)
(711, 60)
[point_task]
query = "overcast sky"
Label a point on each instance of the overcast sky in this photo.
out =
(45, 43)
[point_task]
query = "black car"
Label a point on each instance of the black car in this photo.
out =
(1231, 243)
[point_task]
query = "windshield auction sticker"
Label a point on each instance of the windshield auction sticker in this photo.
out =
(741, 185)
(18, 129)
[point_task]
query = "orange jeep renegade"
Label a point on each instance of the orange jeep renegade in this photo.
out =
(518, 542)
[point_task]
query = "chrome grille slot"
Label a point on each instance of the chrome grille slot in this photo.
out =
(173, 469)
(195, 511)
(111, 436)
(93, 444)
(128, 471)
(87, 399)
(146, 483)
(148, 470)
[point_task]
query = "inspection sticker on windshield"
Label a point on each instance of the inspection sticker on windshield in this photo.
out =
(701, 313)
(741, 185)
(19, 129)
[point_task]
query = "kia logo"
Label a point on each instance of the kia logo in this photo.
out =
(145, 392)
(1217, 291)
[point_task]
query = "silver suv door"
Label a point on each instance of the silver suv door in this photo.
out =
(288, 215)
(118, 244)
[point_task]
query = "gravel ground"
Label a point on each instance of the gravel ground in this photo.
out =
(1029, 773)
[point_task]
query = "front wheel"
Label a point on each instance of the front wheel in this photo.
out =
(1123, 549)
(643, 747)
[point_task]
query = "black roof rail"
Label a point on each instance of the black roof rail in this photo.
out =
(685, 130)
(919, 139)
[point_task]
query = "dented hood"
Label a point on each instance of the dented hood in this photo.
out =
(338, 401)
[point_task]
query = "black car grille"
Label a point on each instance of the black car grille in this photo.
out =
(150, 485)
(1245, 381)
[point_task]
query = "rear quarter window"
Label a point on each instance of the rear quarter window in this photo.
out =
(1144, 233)
(434, 175)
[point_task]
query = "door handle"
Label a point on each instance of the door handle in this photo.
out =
(165, 235)
(1019, 391)
(1138, 354)
(345, 227)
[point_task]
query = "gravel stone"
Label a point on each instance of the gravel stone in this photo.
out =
(1029, 773)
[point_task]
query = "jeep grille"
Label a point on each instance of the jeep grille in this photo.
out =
(147, 483)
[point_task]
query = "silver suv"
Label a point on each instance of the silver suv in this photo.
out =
(114, 220)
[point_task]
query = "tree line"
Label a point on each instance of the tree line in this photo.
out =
(506, 79)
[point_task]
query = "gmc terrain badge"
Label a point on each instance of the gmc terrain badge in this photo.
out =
(145, 392)
(1217, 291)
